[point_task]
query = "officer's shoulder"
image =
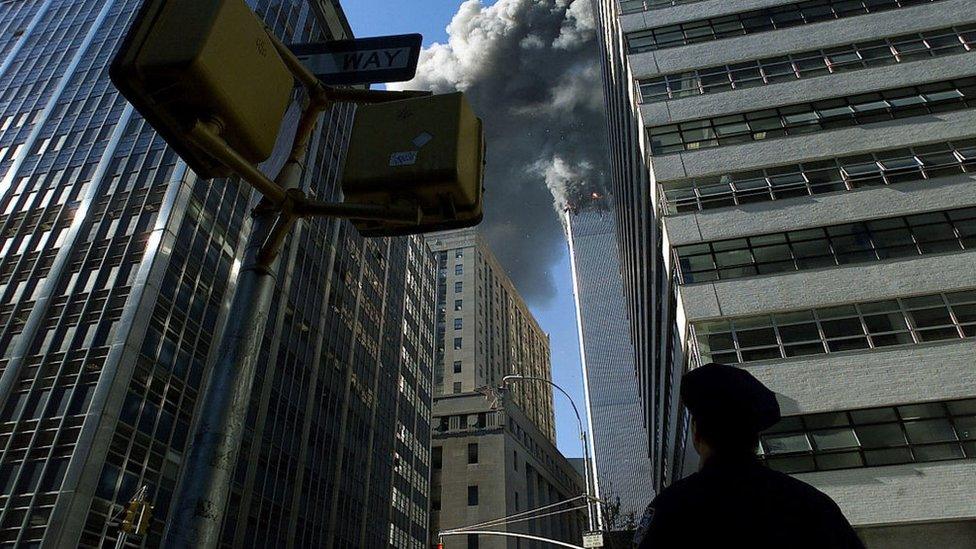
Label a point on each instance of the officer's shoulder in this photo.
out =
(798, 487)
(680, 490)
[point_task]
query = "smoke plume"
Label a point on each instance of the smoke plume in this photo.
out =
(531, 69)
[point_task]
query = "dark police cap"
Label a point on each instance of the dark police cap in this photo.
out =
(732, 396)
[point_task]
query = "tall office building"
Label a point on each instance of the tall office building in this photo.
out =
(485, 330)
(492, 459)
(795, 196)
(616, 426)
(116, 271)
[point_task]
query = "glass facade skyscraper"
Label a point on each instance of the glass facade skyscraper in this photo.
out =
(615, 421)
(117, 266)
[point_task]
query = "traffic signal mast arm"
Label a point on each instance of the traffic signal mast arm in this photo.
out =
(292, 203)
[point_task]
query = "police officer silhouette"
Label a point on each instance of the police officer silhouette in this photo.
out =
(734, 500)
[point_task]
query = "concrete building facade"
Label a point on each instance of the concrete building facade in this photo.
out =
(795, 196)
(490, 462)
(485, 330)
(615, 421)
(116, 272)
(492, 459)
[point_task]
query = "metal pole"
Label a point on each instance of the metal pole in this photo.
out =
(596, 518)
(586, 476)
(211, 458)
(586, 454)
(202, 492)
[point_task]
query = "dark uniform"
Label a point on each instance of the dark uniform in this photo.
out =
(737, 501)
(745, 504)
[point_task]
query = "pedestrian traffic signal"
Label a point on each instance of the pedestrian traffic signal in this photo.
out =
(185, 61)
(428, 152)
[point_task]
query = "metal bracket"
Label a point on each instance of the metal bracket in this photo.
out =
(291, 203)
(296, 205)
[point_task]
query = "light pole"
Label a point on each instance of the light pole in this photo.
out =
(593, 522)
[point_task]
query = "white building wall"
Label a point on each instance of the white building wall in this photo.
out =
(896, 506)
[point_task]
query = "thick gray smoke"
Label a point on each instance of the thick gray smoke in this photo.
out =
(531, 69)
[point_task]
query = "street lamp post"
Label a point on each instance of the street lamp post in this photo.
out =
(593, 519)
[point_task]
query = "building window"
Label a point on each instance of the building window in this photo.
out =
(457, 343)
(837, 174)
(753, 21)
(769, 70)
(458, 323)
(472, 454)
(459, 269)
(840, 112)
(472, 541)
(632, 6)
(457, 387)
(515, 459)
(458, 253)
(458, 287)
(868, 325)
(436, 455)
(457, 304)
(861, 242)
(472, 495)
(457, 366)
(913, 433)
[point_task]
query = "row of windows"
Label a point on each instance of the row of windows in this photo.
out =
(812, 117)
(769, 70)
(760, 20)
(859, 242)
(809, 178)
(633, 6)
(914, 433)
(461, 422)
(904, 321)
(437, 456)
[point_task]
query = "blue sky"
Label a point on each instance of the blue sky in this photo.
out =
(558, 317)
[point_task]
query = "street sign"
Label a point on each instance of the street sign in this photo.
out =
(592, 539)
(363, 60)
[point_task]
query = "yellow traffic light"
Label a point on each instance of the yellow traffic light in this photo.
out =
(138, 517)
(145, 520)
(207, 60)
(427, 151)
(131, 520)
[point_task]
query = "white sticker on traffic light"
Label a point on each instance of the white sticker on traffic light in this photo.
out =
(407, 158)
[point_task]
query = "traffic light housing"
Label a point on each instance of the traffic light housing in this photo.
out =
(131, 519)
(428, 152)
(138, 517)
(185, 61)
